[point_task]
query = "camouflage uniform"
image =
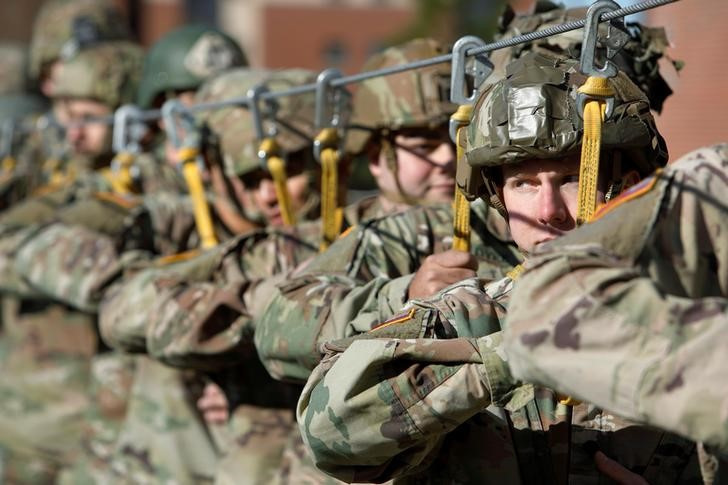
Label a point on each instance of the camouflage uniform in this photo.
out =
(48, 367)
(648, 306)
(438, 403)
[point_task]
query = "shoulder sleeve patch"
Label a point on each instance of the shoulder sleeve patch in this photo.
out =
(176, 258)
(346, 231)
(632, 193)
(397, 319)
(117, 199)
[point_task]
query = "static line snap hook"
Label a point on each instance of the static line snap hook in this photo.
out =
(170, 108)
(129, 129)
(615, 40)
(480, 69)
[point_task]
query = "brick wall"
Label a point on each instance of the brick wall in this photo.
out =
(697, 114)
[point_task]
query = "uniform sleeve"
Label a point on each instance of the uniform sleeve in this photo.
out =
(75, 258)
(357, 282)
(619, 342)
(199, 313)
(361, 425)
(647, 341)
(379, 408)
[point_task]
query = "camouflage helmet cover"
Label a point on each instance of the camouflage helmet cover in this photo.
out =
(638, 58)
(234, 125)
(62, 27)
(184, 58)
(532, 114)
(107, 73)
(411, 99)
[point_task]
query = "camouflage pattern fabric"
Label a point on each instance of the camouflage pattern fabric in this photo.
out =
(362, 279)
(418, 407)
(642, 290)
(108, 73)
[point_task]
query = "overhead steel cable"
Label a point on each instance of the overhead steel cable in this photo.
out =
(151, 115)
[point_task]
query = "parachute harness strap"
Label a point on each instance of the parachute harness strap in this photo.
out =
(188, 156)
(331, 215)
(269, 151)
(596, 90)
(461, 218)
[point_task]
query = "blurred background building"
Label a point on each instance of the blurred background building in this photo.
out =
(342, 33)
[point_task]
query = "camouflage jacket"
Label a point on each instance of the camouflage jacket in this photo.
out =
(649, 305)
(199, 312)
(363, 279)
(412, 407)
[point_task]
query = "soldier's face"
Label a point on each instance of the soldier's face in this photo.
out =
(425, 167)
(90, 139)
(264, 195)
(541, 199)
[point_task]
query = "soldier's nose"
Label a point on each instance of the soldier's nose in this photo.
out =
(267, 192)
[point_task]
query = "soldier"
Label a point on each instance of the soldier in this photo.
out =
(61, 30)
(648, 306)
(416, 406)
(49, 347)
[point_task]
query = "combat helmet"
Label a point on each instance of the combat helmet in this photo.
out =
(638, 58)
(64, 27)
(184, 58)
(411, 99)
(532, 114)
(107, 73)
(233, 126)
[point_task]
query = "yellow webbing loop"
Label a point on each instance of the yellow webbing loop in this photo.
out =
(203, 220)
(122, 181)
(8, 164)
(53, 171)
(567, 400)
(461, 217)
(590, 147)
(331, 216)
(277, 169)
